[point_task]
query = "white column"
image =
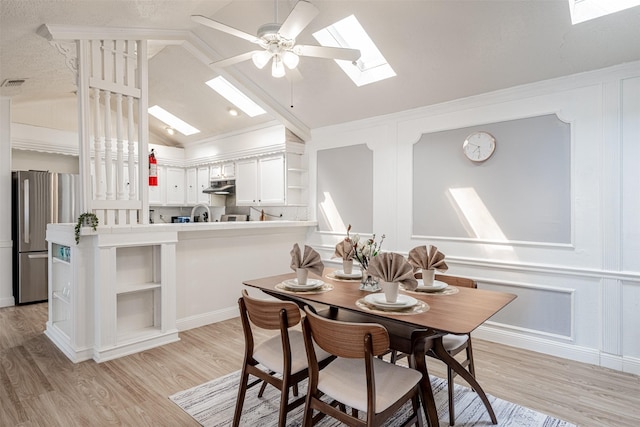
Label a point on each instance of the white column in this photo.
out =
(6, 289)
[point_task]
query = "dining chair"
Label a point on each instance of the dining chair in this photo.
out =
(356, 378)
(280, 360)
(454, 344)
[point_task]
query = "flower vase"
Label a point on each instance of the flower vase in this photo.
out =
(368, 282)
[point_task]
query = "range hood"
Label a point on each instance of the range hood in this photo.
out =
(221, 187)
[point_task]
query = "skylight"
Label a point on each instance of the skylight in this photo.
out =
(585, 10)
(169, 119)
(233, 95)
(348, 33)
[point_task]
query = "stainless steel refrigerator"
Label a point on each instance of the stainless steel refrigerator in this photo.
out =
(38, 198)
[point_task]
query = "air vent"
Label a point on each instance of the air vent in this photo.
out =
(13, 82)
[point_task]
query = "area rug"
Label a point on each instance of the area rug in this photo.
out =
(212, 404)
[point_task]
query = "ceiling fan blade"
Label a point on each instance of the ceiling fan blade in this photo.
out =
(224, 28)
(234, 59)
(301, 15)
(327, 52)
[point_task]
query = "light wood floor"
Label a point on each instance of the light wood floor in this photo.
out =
(39, 386)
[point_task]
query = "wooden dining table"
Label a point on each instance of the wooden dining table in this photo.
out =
(414, 332)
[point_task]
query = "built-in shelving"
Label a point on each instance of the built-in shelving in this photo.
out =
(120, 302)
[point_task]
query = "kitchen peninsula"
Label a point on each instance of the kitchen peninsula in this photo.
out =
(124, 289)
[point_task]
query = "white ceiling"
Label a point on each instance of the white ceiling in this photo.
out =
(440, 51)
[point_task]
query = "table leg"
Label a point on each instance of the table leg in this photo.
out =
(441, 352)
(417, 361)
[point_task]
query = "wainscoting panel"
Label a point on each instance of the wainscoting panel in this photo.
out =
(542, 309)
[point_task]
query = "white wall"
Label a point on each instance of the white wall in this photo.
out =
(6, 287)
(595, 279)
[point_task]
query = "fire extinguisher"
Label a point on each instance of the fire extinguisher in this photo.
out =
(153, 169)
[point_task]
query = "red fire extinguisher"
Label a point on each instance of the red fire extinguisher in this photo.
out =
(153, 169)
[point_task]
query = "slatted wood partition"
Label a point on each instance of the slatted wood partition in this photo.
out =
(114, 136)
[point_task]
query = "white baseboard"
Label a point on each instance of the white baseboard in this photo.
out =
(7, 302)
(62, 342)
(207, 318)
(565, 350)
(157, 340)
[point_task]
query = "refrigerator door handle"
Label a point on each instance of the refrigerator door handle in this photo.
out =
(27, 232)
(37, 256)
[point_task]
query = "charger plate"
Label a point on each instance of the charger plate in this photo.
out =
(326, 287)
(449, 290)
(333, 277)
(420, 307)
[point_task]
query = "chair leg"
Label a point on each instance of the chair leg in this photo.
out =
(262, 388)
(295, 389)
(307, 419)
(242, 390)
(472, 368)
(284, 403)
(415, 402)
(450, 384)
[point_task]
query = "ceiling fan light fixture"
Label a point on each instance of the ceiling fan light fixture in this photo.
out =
(260, 59)
(290, 59)
(277, 67)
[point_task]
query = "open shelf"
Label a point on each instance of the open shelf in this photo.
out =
(139, 287)
(58, 295)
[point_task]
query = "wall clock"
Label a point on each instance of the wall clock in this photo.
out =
(479, 146)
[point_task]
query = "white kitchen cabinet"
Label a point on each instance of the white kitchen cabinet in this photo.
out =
(175, 186)
(203, 182)
(158, 193)
(228, 170)
(192, 186)
(247, 182)
(271, 180)
(223, 171)
(260, 181)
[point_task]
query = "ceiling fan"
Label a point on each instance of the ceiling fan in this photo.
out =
(278, 41)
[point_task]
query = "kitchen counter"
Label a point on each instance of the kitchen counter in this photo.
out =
(193, 226)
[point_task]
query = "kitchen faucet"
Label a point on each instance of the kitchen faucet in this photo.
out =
(207, 214)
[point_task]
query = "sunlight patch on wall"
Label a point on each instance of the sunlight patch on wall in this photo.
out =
(331, 215)
(477, 219)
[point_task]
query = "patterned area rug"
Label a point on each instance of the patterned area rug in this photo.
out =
(212, 405)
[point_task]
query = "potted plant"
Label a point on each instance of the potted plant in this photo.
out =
(87, 218)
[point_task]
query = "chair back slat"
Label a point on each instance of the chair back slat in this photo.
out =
(346, 339)
(265, 314)
(462, 282)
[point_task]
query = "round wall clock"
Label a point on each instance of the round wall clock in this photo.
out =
(479, 146)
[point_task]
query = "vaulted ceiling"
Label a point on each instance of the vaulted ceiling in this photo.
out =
(440, 51)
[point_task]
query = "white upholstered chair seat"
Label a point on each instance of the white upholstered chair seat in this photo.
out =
(269, 353)
(452, 342)
(345, 380)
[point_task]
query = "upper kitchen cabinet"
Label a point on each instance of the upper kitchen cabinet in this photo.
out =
(197, 180)
(158, 193)
(203, 181)
(223, 170)
(175, 186)
(261, 181)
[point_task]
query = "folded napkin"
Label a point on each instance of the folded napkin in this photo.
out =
(310, 260)
(391, 267)
(427, 258)
(345, 250)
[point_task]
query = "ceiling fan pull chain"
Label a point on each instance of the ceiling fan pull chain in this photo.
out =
(291, 94)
